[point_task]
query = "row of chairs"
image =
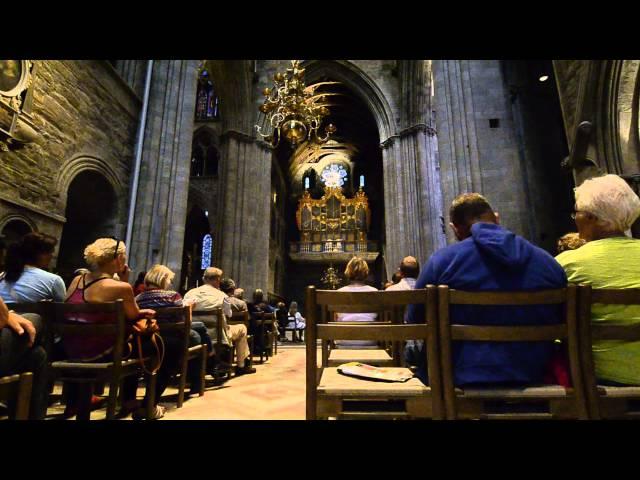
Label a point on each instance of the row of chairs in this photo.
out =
(88, 374)
(332, 395)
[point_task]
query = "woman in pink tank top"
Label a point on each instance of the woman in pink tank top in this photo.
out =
(105, 257)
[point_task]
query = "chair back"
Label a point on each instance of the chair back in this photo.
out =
(117, 328)
(363, 302)
(239, 317)
(508, 333)
(587, 296)
(213, 320)
(176, 320)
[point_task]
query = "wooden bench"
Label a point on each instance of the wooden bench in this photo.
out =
(180, 324)
(331, 394)
(559, 402)
(87, 373)
(220, 349)
(16, 391)
(606, 402)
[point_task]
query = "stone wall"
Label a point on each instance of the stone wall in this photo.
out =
(473, 155)
(161, 209)
(87, 117)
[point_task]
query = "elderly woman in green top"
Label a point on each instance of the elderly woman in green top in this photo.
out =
(606, 207)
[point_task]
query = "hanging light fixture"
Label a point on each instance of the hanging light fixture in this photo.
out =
(293, 110)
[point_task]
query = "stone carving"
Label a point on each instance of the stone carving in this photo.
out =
(16, 123)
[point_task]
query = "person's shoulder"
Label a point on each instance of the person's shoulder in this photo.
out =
(39, 272)
(117, 285)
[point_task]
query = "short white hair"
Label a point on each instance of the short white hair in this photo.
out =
(610, 199)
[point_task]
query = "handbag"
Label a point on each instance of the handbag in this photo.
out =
(149, 329)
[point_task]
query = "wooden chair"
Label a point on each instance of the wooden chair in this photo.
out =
(266, 327)
(380, 357)
(180, 324)
(331, 394)
(16, 391)
(479, 402)
(606, 402)
(221, 350)
(87, 373)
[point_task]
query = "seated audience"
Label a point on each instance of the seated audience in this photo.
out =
(156, 295)
(140, 285)
(106, 257)
(282, 316)
(26, 279)
(606, 207)
(21, 351)
(489, 257)
(259, 304)
(395, 278)
(356, 273)
(228, 286)
(570, 241)
(239, 293)
(210, 297)
(295, 320)
(408, 272)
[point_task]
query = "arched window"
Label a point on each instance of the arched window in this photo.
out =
(207, 101)
(207, 245)
(204, 156)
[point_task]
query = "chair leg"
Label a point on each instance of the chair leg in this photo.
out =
(85, 390)
(203, 369)
(113, 397)
(151, 394)
(183, 381)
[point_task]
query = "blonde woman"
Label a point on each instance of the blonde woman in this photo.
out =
(158, 294)
(106, 257)
(356, 273)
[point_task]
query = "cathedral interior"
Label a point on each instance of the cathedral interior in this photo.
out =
(181, 159)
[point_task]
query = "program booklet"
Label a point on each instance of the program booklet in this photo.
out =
(369, 372)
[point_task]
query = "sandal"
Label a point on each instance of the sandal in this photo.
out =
(141, 413)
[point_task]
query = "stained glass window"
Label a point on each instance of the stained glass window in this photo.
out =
(207, 244)
(207, 102)
(334, 175)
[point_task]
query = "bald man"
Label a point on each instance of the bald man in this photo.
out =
(409, 271)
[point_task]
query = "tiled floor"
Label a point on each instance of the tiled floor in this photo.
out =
(275, 392)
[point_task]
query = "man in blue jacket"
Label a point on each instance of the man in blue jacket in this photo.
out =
(490, 257)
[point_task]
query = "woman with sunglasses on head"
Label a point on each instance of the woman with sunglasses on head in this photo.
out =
(106, 257)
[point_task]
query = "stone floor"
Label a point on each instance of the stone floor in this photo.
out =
(275, 392)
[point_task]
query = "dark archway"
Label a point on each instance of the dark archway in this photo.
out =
(196, 228)
(541, 140)
(356, 147)
(91, 213)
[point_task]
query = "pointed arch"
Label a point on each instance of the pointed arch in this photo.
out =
(361, 84)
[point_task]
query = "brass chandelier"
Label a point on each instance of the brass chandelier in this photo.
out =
(293, 110)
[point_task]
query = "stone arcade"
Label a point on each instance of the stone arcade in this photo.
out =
(419, 132)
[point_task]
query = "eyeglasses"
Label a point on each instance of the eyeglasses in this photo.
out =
(115, 253)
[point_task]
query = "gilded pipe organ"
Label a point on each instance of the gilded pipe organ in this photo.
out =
(333, 226)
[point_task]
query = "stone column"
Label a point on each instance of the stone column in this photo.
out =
(161, 210)
(413, 198)
(245, 183)
(133, 72)
(457, 139)
(475, 157)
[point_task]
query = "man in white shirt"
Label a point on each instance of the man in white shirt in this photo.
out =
(409, 271)
(209, 297)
